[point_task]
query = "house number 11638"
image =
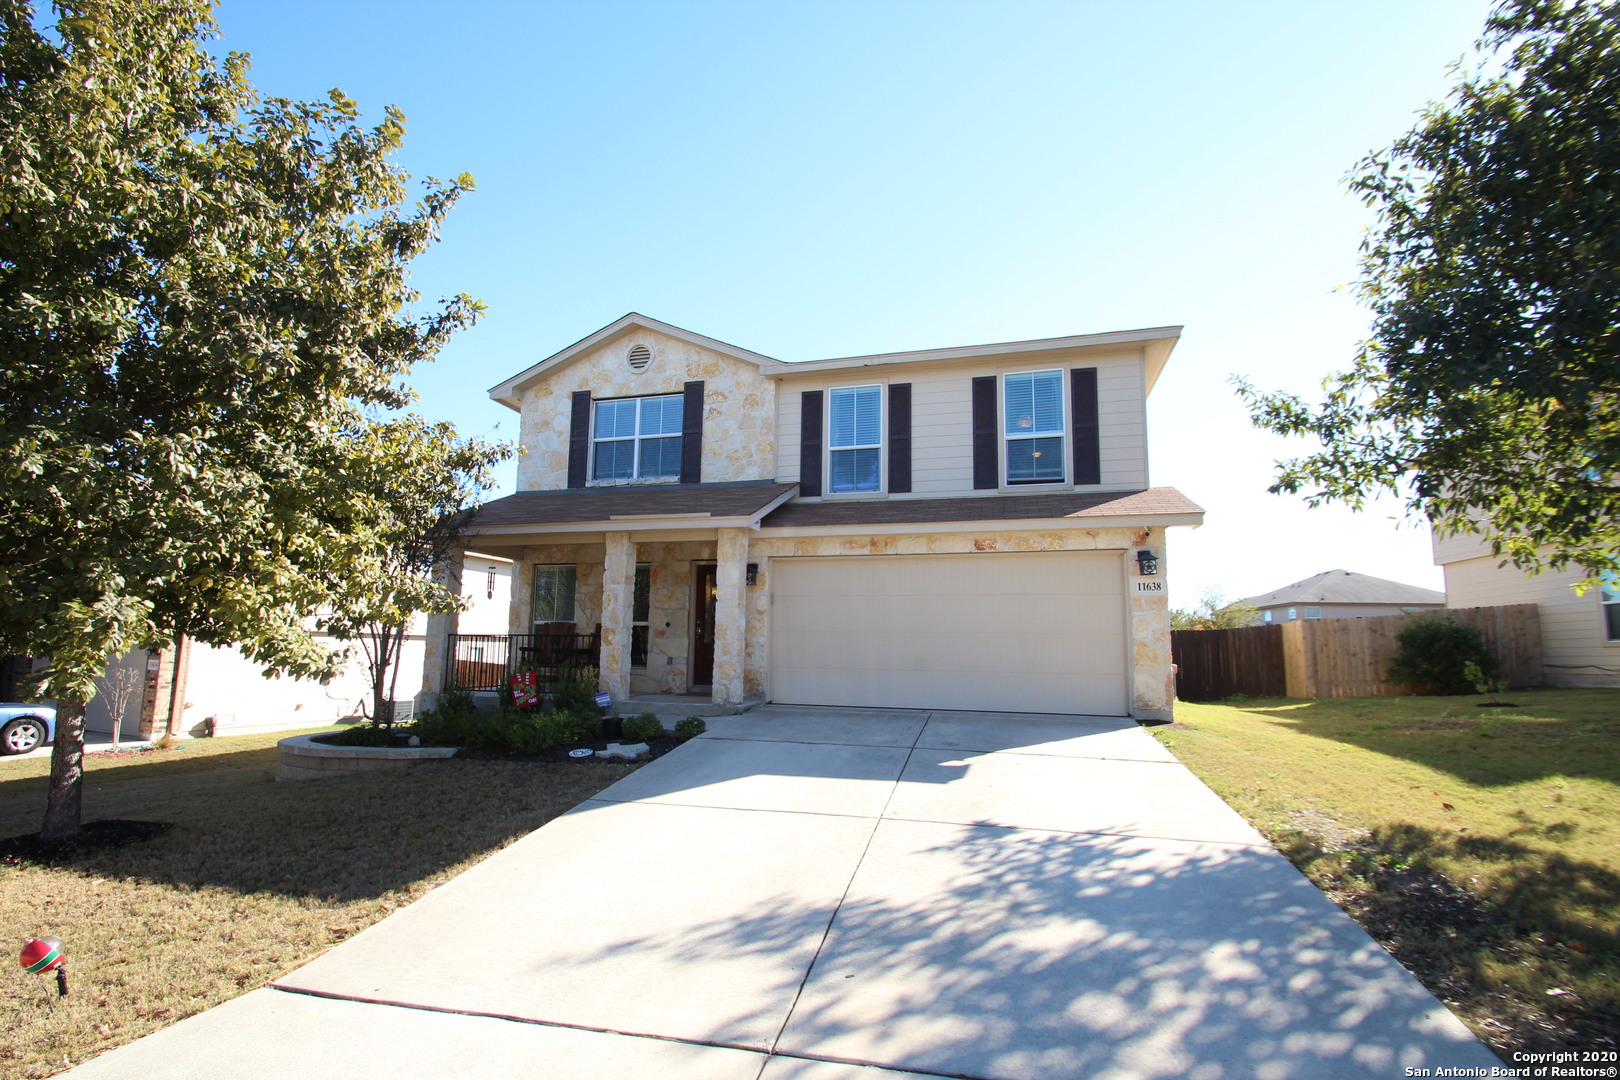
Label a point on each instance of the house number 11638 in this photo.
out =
(1149, 586)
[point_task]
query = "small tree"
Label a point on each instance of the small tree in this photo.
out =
(120, 686)
(1213, 613)
(415, 534)
(1437, 655)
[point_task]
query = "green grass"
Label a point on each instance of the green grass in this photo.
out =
(254, 878)
(1481, 845)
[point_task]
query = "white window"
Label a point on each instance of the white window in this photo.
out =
(1313, 613)
(637, 438)
(1268, 616)
(1032, 414)
(553, 594)
(1292, 614)
(855, 439)
(1611, 608)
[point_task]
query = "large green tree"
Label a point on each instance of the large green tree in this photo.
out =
(1488, 394)
(205, 320)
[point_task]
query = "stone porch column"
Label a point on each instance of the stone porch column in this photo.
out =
(1153, 684)
(730, 615)
(618, 591)
(440, 628)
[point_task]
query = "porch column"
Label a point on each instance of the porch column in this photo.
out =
(730, 615)
(440, 628)
(618, 589)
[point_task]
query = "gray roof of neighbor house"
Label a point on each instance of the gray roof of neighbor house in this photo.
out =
(1344, 587)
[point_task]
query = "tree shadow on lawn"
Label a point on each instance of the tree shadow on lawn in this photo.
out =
(108, 767)
(1480, 746)
(1544, 922)
(339, 840)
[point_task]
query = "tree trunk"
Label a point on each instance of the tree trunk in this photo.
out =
(64, 796)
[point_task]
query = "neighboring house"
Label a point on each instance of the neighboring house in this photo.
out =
(1580, 632)
(1340, 594)
(954, 528)
(191, 684)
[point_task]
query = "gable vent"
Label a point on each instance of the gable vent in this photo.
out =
(638, 357)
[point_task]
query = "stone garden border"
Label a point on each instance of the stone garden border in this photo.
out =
(302, 758)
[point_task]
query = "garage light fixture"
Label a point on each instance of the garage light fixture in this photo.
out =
(1147, 563)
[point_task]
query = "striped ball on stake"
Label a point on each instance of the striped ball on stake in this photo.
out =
(42, 954)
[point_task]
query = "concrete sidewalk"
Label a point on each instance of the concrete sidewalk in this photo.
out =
(854, 895)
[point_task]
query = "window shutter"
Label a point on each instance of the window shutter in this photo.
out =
(810, 443)
(692, 434)
(985, 458)
(579, 440)
(1087, 431)
(900, 437)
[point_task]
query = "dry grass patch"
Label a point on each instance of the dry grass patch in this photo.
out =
(1482, 846)
(253, 879)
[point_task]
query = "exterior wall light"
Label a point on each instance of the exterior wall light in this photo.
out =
(753, 574)
(1147, 563)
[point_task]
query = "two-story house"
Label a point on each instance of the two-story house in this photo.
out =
(960, 528)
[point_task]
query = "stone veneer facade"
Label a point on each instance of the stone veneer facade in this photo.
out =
(739, 407)
(672, 566)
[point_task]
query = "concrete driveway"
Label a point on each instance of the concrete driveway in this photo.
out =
(807, 894)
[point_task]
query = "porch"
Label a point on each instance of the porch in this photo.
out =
(487, 662)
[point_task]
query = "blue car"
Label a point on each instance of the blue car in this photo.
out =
(24, 727)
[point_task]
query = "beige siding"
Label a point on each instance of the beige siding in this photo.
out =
(941, 416)
(1450, 549)
(1572, 629)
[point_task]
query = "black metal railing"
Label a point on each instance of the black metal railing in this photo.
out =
(488, 661)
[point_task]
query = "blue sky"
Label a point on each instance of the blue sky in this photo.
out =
(816, 179)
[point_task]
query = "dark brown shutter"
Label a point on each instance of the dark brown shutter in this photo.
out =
(692, 434)
(985, 459)
(579, 440)
(1087, 432)
(900, 437)
(810, 443)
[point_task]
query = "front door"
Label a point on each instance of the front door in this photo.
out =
(702, 628)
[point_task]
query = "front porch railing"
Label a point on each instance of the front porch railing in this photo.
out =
(488, 661)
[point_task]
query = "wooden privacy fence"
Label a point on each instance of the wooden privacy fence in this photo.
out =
(1328, 658)
(1212, 665)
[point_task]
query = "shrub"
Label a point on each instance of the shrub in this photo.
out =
(357, 736)
(456, 703)
(1436, 655)
(690, 728)
(643, 727)
(575, 690)
(525, 731)
(441, 728)
(589, 725)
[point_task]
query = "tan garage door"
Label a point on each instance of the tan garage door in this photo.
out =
(1031, 632)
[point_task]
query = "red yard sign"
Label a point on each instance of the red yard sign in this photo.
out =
(525, 689)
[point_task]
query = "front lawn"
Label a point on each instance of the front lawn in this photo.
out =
(1480, 845)
(253, 878)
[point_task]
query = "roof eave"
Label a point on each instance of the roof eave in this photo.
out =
(509, 392)
(1157, 342)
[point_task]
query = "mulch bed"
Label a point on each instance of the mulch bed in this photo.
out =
(656, 748)
(94, 836)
